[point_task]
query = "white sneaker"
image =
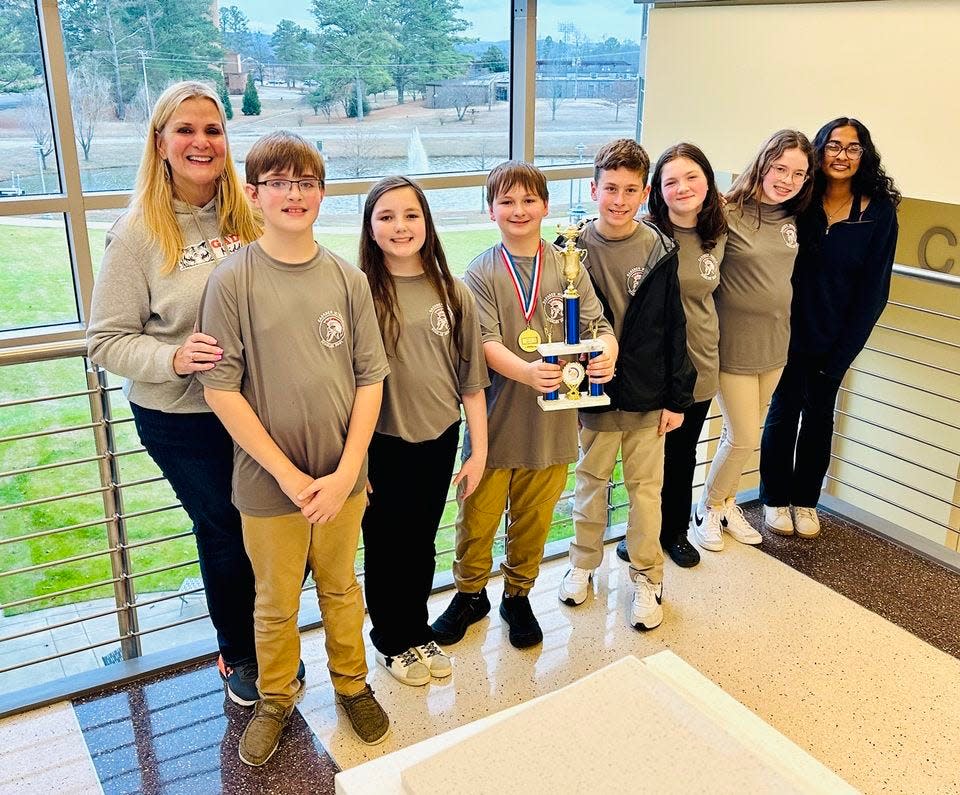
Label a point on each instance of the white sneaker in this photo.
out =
(405, 667)
(777, 518)
(575, 586)
(808, 523)
(646, 612)
(736, 524)
(436, 661)
(707, 527)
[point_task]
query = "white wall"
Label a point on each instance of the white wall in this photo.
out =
(726, 77)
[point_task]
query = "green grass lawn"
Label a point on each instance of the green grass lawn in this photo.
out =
(37, 289)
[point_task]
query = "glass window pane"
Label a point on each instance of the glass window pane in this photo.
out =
(35, 273)
(589, 73)
(432, 83)
(28, 162)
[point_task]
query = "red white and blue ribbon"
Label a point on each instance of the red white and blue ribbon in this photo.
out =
(527, 298)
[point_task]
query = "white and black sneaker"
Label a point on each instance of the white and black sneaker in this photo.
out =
(432, 656)
(736, 524)
(708, 527)
(645, 611)
(406, 667)
(575, 586)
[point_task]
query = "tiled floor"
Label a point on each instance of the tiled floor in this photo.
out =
(866, 697)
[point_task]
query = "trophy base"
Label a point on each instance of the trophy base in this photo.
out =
(585, 402)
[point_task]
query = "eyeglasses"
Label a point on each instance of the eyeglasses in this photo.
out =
(284, 185)
(833, 148)
(783, 174)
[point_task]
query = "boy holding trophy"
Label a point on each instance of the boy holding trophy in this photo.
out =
(518, 285)
(633, 267)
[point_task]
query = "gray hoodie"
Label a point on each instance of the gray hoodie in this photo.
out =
(140, 316)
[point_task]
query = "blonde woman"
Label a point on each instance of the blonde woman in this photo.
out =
(753, 309)
(188, 211)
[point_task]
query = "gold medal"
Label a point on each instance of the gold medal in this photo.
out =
(529, 340)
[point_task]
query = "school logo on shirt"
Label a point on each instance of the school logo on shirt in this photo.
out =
(208, 251)
(439, 324)
(709, 267)
(194, 255)
(789, 234)
(332, 329)
(553, 308)
(634, 277)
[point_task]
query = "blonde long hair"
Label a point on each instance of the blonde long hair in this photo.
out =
(153, 193)
(749, 185)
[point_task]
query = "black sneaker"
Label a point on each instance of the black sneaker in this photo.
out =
(683, 553)
(464, 609)
(622, 550)
(524, 628)
(241, 681)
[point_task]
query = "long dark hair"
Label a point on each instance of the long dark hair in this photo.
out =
(749, 185)
(870, 180)
(711, 222)
(373, 264)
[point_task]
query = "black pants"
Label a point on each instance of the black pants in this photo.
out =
(679, 463)
(410, 482)
(195, 454)
(795, 449)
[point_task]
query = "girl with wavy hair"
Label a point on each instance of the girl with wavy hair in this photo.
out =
(188, 211)
(848, 237)
(753, 309)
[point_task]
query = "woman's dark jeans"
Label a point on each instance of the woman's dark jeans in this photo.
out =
(195, 454)
(795, 448)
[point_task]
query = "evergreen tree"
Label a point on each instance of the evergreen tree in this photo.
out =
(225, 96)
(251, 99)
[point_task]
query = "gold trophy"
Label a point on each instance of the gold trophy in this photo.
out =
(574, 373)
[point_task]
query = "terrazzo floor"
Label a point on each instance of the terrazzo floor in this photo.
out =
(848, 683)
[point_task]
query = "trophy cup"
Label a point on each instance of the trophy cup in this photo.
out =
(574, 374)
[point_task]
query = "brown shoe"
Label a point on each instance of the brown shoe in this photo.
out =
(366, 716)
(262, 736)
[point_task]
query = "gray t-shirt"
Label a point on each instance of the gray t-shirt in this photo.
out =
(618, 268)
(140, 316)
(699, 273)
(753, 300)
(297, 342)
(521, 434)
(421, 396)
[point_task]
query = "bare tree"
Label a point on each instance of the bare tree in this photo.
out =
(36, 118)
(620, 93)
(89, 97)
(556, 95)
(460, 96)
(360, 150)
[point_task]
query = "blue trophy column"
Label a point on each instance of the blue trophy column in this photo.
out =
(596, 390)
(555, 395)
(571, 318)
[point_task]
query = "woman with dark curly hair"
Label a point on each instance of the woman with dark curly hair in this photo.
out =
(848, 237)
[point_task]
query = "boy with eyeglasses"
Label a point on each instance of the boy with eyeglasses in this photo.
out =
(298, 387)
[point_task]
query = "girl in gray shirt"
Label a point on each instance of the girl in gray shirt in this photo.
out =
(432, 336)
(753, 309)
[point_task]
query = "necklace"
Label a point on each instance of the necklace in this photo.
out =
(836, 212)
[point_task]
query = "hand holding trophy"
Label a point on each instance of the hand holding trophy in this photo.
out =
(574, 373)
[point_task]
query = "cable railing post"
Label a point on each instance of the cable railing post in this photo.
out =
(124, 590)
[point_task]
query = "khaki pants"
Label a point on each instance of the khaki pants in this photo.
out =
(532, 494)
(743, 400)
(279, 548)
(643, 479)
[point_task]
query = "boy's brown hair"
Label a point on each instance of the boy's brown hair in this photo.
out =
(505, 176)
(282, 151)
(622, 153)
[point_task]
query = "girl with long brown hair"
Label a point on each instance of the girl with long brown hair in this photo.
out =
(431, 333)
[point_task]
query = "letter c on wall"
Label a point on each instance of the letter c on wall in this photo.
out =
(931, 233)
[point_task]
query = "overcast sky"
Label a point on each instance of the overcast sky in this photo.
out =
(490, 18)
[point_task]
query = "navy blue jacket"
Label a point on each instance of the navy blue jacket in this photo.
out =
(841, 282)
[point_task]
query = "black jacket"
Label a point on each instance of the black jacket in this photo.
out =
(654, 370)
